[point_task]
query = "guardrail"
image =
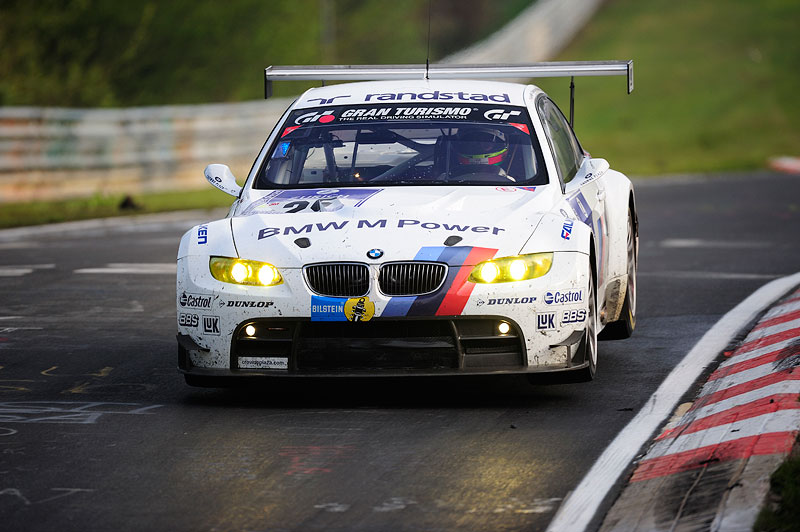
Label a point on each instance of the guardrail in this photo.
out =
(48, 153)
(54, 153)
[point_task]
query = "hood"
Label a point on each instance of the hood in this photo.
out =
(290, 228)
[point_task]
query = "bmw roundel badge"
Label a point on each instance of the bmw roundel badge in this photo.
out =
(375, 253)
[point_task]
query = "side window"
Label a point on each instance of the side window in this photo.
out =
(566, 150)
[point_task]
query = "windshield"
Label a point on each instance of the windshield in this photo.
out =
(404, 144)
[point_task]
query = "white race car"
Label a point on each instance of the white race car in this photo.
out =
(413, 227)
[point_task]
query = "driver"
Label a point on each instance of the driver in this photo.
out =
(480, 150)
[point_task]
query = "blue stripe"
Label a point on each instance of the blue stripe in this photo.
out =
(400, 305)
(428, 305)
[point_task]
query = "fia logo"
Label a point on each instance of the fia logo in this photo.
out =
(566, 229)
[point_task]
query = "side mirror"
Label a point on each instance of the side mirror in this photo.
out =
(221, 177)
(590, 170)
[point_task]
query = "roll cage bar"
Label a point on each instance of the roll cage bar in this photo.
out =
(551, 69)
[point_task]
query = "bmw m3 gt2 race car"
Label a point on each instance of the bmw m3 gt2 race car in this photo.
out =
(398, 226)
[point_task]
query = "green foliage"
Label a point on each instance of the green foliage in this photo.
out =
(716, 85)
(105, 206)
(101, 53)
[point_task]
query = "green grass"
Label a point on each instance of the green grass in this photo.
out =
(716, 85)
(36, 213)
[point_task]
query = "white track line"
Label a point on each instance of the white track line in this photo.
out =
(135, 269)
(580, 507)
(716, 276)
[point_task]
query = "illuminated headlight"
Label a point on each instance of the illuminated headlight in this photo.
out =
(510, 269)
(241, 271)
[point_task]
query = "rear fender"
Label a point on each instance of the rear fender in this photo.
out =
(619, 193)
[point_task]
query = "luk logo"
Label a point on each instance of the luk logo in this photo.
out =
(567, 296)
(566, 229)
(324, 117)
(499, 114)
(211, 325)
(546, 321)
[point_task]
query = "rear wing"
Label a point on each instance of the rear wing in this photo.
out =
(569, 69)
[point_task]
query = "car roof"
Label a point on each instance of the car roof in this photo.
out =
(419, 91)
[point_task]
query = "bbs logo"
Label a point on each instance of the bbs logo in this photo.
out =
(188, 320)
(573, 316)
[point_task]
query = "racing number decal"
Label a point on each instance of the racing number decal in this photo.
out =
(301, 205)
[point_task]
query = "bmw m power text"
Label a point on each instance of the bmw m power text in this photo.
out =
(422, 226)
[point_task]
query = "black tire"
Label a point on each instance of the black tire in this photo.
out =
(589, 342)
(624, 326)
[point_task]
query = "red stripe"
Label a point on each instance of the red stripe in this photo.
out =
(773, 443)
(456, 298)
(768, 340)
(790, 316)
(288, 130)
(759, 407)
(745, 387)
(767, 358)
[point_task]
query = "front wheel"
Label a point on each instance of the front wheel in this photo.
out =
(588, 345)
(624, 326)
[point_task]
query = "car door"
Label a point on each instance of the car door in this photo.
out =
(586, 196)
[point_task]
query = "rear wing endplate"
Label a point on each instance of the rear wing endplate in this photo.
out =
(553, 69)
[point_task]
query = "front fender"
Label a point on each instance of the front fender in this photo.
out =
(559, 233)
(212, 238)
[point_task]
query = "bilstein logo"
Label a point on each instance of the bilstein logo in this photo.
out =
(359, 309)
(195, 301)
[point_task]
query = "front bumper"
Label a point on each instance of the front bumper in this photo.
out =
(232, 330)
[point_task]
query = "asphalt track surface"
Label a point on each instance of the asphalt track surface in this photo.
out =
(99, 432)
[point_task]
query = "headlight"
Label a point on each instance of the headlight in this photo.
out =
(241, 271)
(510, 269)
